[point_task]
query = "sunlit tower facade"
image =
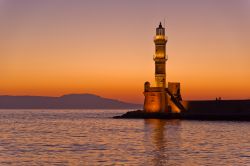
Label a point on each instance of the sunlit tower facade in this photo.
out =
(160, 57)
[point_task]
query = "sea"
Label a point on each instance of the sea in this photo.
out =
(93, 137)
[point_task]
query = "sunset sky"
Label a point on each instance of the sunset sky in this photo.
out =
(105, 47)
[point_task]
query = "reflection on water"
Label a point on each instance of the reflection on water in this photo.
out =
(90, 137)
(162, 134)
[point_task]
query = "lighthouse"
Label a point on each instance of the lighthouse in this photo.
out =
(156, 97)
(160, 98)
(160, 58)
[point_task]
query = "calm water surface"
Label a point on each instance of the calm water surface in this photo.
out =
(91, 137)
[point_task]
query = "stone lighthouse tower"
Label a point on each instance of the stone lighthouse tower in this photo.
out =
(160, 57)
(156, 97)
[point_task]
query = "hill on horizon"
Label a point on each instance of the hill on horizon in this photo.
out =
(68, 101)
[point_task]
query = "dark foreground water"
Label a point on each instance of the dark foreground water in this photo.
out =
(91, 137)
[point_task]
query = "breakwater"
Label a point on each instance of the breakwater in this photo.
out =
(201, 110)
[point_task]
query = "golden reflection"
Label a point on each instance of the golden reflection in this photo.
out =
(164, 137)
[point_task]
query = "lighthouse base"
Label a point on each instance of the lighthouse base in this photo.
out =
(160, 99)
(155, 101)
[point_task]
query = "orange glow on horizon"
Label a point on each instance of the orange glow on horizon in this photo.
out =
(55, 48)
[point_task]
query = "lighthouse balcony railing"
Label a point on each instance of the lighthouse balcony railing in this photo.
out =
(163, 58)
(160, 37)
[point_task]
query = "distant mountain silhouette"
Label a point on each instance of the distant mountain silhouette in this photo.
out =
(71, 101)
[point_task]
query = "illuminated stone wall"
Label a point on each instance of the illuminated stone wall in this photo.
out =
(155, 102)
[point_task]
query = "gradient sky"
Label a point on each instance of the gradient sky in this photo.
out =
(105, 47)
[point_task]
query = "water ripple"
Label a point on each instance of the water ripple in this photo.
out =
(91, 137)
